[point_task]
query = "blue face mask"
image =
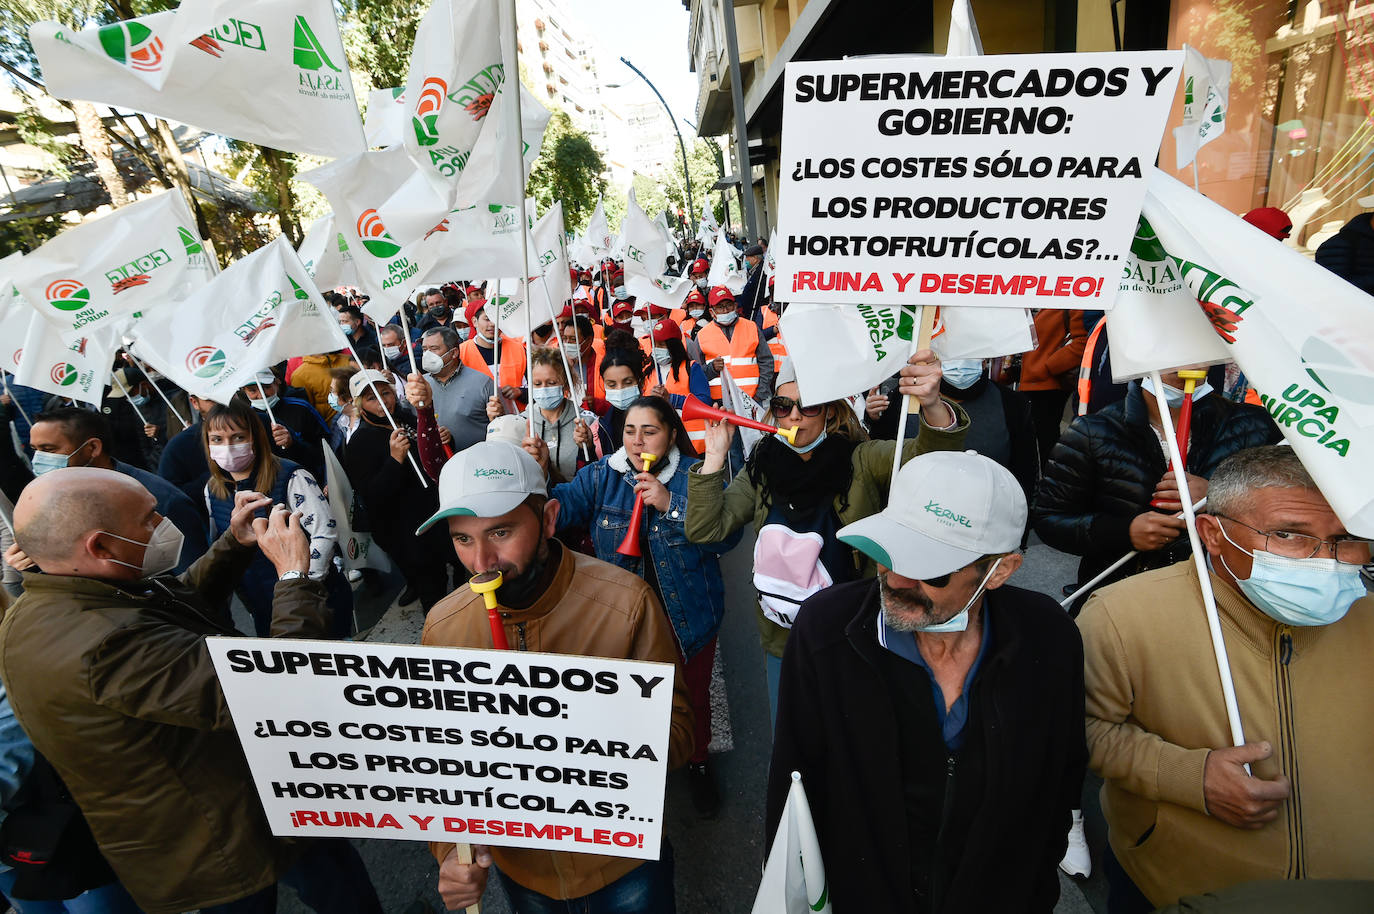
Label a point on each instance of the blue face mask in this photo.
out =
(959, 621)
(622, 398)
(1299, 591)
(962, 373)
(1172, 395)
(804, 448)
(548, 397)
(44, 462)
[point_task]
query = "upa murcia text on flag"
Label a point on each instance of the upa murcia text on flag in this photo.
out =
(1012, 181)
(445, 744)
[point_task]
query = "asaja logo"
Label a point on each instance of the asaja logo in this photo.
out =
(63, 374)
(192, 243)
(308, 53)
(132, 44)
(68, 295)
(432, 96)
(296, 291)
(205, 361)
(374, 236)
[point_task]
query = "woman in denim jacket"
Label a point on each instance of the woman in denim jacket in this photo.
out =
(685, 575)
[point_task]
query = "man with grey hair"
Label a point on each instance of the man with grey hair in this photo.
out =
(457, 394)
(106, 667)
(1185, 815)
(934, 713)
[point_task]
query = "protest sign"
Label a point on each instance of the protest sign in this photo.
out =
(1007, 181)
(140, 256)
(408, 742)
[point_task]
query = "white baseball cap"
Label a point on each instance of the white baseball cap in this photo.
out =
(359, 382)
(508, 428)
(264, 378)
(947, 510)
(488, 479)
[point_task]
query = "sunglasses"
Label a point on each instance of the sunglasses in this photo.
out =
(783, 406)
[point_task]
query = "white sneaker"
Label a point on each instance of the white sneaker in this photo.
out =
(1077, 862)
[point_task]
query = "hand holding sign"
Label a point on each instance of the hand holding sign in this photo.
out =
(461, 884)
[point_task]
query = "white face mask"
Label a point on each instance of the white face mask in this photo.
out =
(261, 404)
(548, 397)
(162, 552)
(727, 319)
(432, 362)
(571, 350)
(622, 398)
(697, 313)
(391, 352)
(1172, 395)
(232, 458)
(662, 356)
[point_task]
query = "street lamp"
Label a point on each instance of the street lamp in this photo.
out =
(682, 147)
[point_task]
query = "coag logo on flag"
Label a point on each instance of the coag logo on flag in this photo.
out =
(205, 361)
(427, 108)
(477, 94)
(374, 236)
(63, 374)
(68, 295)
(309, 54)
(132, 44)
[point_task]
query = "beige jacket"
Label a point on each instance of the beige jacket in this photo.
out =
(1155, 709)
(593, 609)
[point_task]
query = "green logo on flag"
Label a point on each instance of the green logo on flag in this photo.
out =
(192, 243)
(432, 96)
(309, 54)
(374, 236)
(1146, 245)
(205, 361)
(63, 374)
(301, 294)
(67, 295)
(132, 44)
(343, 244)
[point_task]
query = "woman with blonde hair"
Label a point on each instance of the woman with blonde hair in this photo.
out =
(557, 420)
(239, 453)
(798, 495)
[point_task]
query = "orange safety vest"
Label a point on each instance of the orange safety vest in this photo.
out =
(1085, 367)
(776, 344)
(591, 364)
(696, 428)
(739, 351)
(512, 360)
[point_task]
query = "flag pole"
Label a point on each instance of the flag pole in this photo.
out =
(372, 386)
(153, 384)
(511, 111)
(4, 379)
(1209, 600)
(1195, 187)
(1101, 575)
(410, 348)
(263, 394)
(124, 390)
(912, 405)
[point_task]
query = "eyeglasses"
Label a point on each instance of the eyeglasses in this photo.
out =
(1351, 550)
(783, 406)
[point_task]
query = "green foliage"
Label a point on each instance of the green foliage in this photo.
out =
(569, 169)
(378, 36)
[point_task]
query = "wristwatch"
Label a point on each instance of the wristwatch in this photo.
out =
(291, 576)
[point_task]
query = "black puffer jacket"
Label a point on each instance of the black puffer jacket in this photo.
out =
(1350, 253)
(1104, 470)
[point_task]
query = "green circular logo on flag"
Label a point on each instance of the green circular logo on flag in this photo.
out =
(63, 374)
(205, 361)
(67, 295)
(374, 236)
(132, 44)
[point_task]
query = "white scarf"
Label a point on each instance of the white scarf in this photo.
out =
(620, 462)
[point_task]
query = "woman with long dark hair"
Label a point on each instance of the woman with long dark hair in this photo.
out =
(239, 453)
(685, 575)
(798, 495)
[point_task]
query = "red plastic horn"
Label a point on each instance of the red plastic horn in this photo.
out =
(1190, 379)
(487, 583)
(630, 544)
(695, 409)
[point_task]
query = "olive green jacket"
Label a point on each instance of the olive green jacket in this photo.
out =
(715, 511)
(115, 686)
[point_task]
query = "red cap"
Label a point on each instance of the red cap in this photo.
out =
(700, 265)
(657, 311)
(720, 294)
(1271, 220)
(624, 306)
(694, 297)
(585, 274)
(665, 330)
(470, 312)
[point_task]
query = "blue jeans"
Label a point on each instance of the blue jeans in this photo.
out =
(646, 889)
(330, 878)
(108, 899)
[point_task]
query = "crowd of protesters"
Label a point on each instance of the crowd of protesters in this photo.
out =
(943, 720)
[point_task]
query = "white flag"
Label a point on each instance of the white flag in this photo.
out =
(327, 256)
(554, 286)
(735, 400)
(981, 333)
(644, 254)
(870, 342)
(79, 369)
(706, 227)
(598, 233)
(724, 269)
(1206, 94)
(141, 49)
(138, 257)
(1313, 366)
(262, 310)
(356, 546)
(770, 263)
(964, 40)
(794, 877)
(385, 122)
(665, 291)
(271, 72)
(489, 176)
(475, 241)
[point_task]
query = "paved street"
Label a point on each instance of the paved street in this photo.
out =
(718, 862)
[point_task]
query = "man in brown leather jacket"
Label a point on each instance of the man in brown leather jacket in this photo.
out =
(105, 662)
(494, 500)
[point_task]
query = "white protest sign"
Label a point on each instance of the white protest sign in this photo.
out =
(409, 742)
(1006, 181)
